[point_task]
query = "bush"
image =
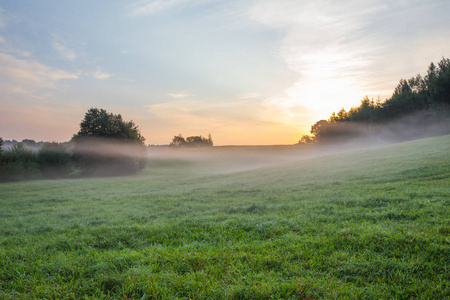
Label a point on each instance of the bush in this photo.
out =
(54, 160)
(18, 164)
(107, 157)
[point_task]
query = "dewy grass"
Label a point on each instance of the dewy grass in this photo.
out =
(368, 224)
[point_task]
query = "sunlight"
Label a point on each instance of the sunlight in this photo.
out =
(329, 80)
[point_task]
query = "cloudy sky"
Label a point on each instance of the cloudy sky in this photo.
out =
(246, 71)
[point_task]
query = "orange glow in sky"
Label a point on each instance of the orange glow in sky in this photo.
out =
(248, 72)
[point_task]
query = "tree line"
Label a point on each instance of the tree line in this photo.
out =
(426, 99)
(105, 145)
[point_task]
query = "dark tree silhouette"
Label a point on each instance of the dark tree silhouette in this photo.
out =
(108, 145)
(192, 141)
(427, 98)
(100, 123)
(306, 139)
(178, 141)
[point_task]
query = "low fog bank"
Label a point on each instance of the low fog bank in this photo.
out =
(355, 137)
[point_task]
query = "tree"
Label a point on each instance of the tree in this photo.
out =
(422, 101)
(306, 139)
(178, 141)
(318, 127)
(192, 141)
(108, 145)
(99, 123)
(1, 145)
(199, 141)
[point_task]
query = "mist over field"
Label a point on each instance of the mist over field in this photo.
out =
(236, 150)
(283, 222)
(229, 159)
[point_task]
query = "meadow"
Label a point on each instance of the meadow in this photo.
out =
(237, 224)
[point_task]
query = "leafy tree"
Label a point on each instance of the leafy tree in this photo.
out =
(1, 145)
(192, 141)
(108, 145)
(317, 128)
(425, 100)
(101, 124)
(306, 139)
(178, 141)
(199, 141)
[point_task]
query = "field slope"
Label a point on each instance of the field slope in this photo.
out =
(366, 224)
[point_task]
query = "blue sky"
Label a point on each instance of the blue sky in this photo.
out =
(248, 72)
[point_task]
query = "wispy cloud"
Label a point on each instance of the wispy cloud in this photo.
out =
(340, 51)
(180, 95)
(325, 46)
(248, 96)
(148, 7)
(28, 76)
(102, 75)
(64, 51)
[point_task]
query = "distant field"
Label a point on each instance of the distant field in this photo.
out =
(238, 223)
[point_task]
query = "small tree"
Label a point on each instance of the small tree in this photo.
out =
(101, 124)
(1, 145)
(108, 145)
(178, 141)
(192, 141)
(306, 139)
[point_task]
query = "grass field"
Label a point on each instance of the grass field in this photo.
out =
(369, 224)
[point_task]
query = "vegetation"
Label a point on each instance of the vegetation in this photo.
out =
(54, 160)
(370, 224)
(426, 100)
(98, 123)
(105, 145)
(191, 141)
(18, 163)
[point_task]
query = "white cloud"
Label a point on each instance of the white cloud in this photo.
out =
(27, 76)
(148, 7)
(64, 51)
(324, 45)
(343, 51)
(102, 75)
(180, 95)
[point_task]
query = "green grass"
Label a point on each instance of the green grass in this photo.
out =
(367, 224)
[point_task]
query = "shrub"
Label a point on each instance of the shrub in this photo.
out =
(54, 160)
(17, 164)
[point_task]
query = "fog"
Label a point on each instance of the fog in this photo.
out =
(229, 159)
(107, 157)
(109, 148)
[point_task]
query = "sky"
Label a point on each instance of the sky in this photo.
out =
(249, 72)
